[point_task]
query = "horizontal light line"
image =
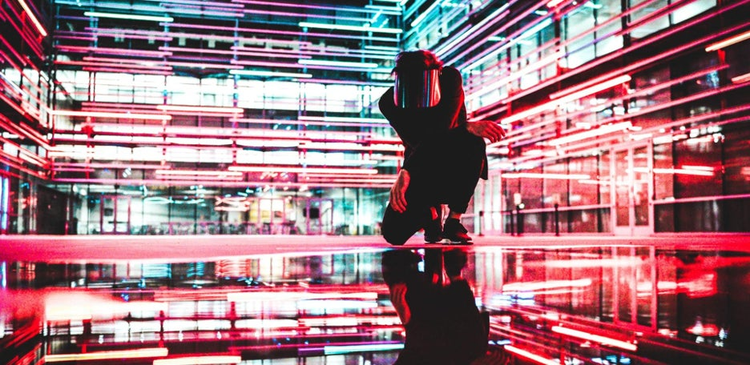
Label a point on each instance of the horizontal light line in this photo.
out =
(534, 175)
(197, 173)
(596, 338)
(531, 356)
(337, 63)
(106, 355)
(303, 170)
(33, 18)
(97, 14)
(728, 42)
(75, 113)
(350, 27)
(200, 109)
(199, 360)
(741, 78)
(269, 73)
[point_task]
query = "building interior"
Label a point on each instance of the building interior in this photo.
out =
(204, 182)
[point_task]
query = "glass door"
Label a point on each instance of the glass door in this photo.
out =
(114, 214)
(631, 195)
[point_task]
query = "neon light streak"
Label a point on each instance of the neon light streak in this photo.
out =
(346, 349)
(125, 115)
(534, 175)
(200, 360)
(554, 3)
(338, 63)
(303, 170)
(728, 42)
(33, 18)
(502, 12)
(741, 78)
(683, 171)
(579, 91)
(548, 284)
(109, 355)
(350, 27)
(605, 129)
(197, 173)
(595, 338)
(150, 18)
(531, 356)
(269, 73)
(423, 15)
(200, 109)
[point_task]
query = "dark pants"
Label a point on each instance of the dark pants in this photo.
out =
(443, 171)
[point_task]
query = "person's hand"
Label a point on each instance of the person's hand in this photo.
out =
(398, 298)
(398, 191)
(486, 129)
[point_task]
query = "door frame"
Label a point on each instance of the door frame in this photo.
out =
(632, 229)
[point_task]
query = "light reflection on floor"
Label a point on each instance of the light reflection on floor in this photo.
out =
(613, 305)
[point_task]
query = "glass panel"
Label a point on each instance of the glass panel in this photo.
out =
(640, 185)
(645, 286)
(692, 9)
(625, 284)
(650, 26)
(622, 189)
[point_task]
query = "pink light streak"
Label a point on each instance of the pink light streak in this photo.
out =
(122, 115)
(595, 338)
(303, 170)
(531, 356)
(200, 109)
(33, 18)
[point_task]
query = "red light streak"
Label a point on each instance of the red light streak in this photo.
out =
(595, 338)
(533, 175)
(122, 115)
(200, 360)
(531, 356)
(200, 109)
(728, 42)
(304, 170)
(588, 88)
(33, 18)
(545, 285)
(742, 78)
(108, 355)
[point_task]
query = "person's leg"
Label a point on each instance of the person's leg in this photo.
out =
(465, 166)
(397, 228)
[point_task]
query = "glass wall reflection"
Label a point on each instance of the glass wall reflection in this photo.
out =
(615, 305)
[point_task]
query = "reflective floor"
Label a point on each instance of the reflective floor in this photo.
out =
(614, 304)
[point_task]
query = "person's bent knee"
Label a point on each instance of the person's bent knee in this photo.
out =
(395, 239)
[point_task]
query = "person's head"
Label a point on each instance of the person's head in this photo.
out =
(415, 61)
(417, 83)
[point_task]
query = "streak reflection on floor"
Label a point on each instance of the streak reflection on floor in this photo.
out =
(615, 305)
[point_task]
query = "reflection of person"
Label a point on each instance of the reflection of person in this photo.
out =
(442, 322)
(444, 154)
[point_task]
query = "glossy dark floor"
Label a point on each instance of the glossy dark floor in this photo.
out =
(574, 304)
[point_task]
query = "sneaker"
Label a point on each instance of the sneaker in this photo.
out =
(433, 230)
(455, 232)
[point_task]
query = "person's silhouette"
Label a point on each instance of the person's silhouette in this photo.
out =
(442, 322)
